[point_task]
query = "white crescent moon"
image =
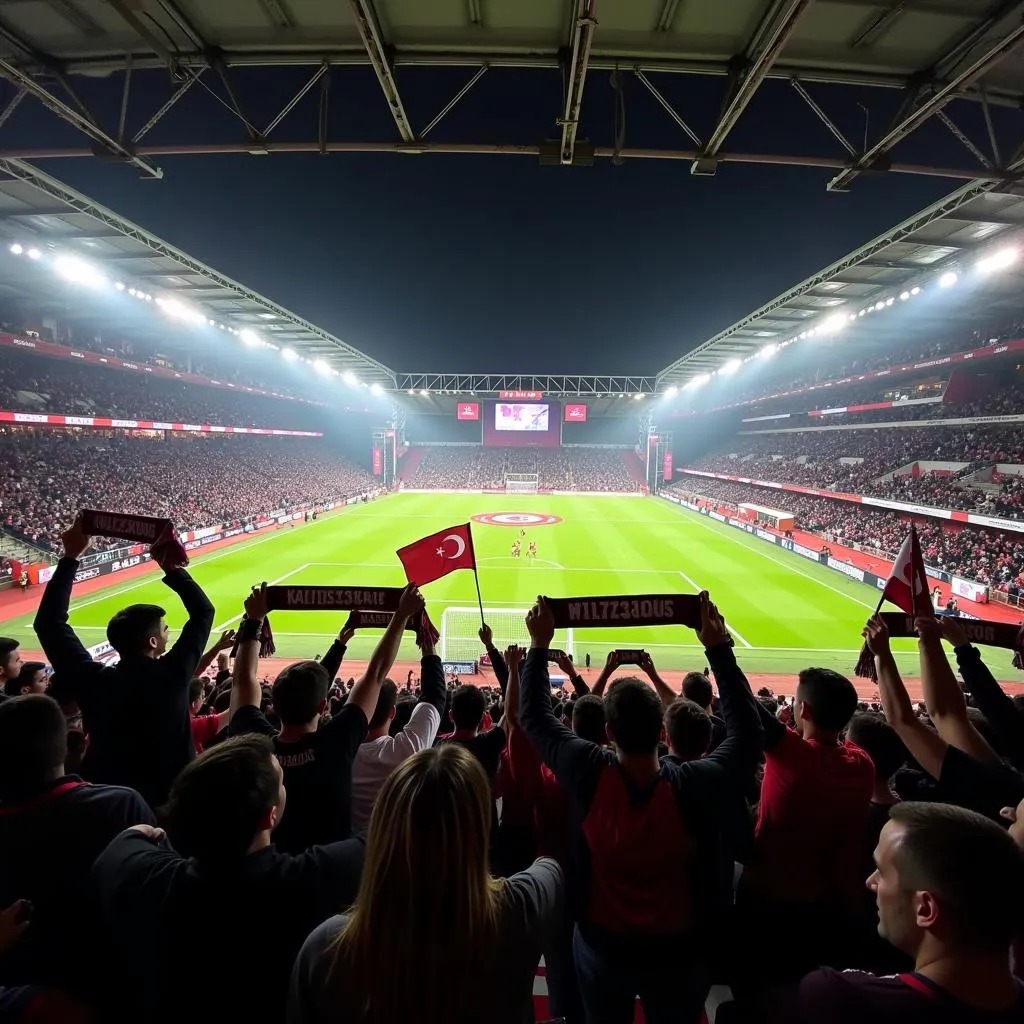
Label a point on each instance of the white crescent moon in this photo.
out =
(460, 545)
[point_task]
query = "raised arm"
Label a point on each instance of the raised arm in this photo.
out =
(926, 747)
(946, 706)
(332, 660)
(223, 643)
(497, 661)
(64, 651)
(576, 762)
(514, 656)
(610, 665)
(187, 650)
(432, 688)
(1000, 711)
(245, 684)
(665, 692)
(367, 688)
(579, 684)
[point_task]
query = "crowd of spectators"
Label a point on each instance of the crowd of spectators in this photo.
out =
(378, 852)
(473, 467)
(30, 383)
(46, 478)
(994, 557)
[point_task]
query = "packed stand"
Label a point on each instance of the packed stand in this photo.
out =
(645, 843)
(558, 469)
(34, 384)
(46, 478)
(993, 557)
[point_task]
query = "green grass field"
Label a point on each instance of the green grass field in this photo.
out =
(785, 612)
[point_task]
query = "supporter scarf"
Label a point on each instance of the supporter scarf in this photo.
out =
(159, 534)
(376, 620)
(626, 610)
(1007, 635)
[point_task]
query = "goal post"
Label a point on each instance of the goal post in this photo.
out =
(522, 483)
(460, 626)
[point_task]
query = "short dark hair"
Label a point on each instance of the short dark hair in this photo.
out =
(300, 691)
(404, 707)
(633, 712)
(130, 627)
(588, 719)
(385, 702)
(873, 734)
(688, 728)
(831, 696)
(195, 689)
(8, 646)
(12, 686)
(219, 800)
(33, 741)
(468, 706)
(970, 863)
(697, 687)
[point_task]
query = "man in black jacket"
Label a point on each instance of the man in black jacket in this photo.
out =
(136, 713)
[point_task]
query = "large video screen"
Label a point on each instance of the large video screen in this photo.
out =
(521, 417)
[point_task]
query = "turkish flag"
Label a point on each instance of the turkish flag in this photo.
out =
(907, 585)
(435, 556)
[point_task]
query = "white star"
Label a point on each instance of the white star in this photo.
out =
(440, 551)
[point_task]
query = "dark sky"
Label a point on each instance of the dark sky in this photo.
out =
(496, 264)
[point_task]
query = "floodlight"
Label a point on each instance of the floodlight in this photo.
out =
(424, 391)
(34, 254)
(904, 296)
(671, 392)
(948, 279)
(77, 271)
(730, 367)
(17, 249)
(350, 378)
(249, 337)
(290, 354)
(768, 350)
(376, 389)
(320, 365)
(997, 261)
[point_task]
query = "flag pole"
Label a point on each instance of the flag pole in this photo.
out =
(476, 577)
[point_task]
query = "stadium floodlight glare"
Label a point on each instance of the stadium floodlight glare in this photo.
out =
(768, 350)
(424, 391)
(376, 389)
(34, 254)
(412, 391)
(290, 354)
(17, 249)
(730, 367)
(889, 301)
(879, 305)
(948, 279)
(997, 261)
(700, 379)
(322, 367)
(78, 271)
(179, 311)
(119, 285)
(249, 337)
(915, 290)
(904, 296)
(671, 391)
(350, 378)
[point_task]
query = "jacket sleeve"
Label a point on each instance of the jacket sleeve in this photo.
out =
(332, 660)
(500, 668)
(577, 763)
(432, 688)
(64, 651)
(990, 699)
(774, 730)
(184, 656)
(740, 752)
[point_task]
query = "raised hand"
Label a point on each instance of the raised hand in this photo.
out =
(712, 630)
(952, 631)
(876, 636)
(256, 602)
(410, 603)
(486, 636)
(226, 641)
(928, 629)
(75, 540)
(540, 622)
(514, 655)
(565, 664)
(347, 631)
(612, 661)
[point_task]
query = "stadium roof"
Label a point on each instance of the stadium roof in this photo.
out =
(38, 210)
(977, 223)
(933, 52)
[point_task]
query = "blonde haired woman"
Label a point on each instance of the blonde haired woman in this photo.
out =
(432, 937)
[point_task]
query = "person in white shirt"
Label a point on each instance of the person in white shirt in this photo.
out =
(380, 753)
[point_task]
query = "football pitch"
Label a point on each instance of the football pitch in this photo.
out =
(785, 613)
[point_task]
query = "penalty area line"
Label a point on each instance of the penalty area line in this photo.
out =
(732, 629)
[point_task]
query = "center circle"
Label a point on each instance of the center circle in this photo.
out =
(516, 519)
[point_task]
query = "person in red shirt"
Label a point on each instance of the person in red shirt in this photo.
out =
(805, 867)
(949, 885)
(205, 728)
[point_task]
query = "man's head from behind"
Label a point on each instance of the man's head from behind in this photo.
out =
(588, 720)
(873, 734)
(468, 707)
(688, 728)
(31, 679)
(10, 659)
(633, 717)
(33, 744)
(223, 800)
(138, 631)
(947, 880)
(300, 693)
(825, 701)
(387, 701)
(697, 687)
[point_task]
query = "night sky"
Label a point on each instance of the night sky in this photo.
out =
(494, 264)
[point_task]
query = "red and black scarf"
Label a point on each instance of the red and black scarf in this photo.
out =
(167, 551)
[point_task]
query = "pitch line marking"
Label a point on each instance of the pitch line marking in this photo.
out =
(785, 565)
(270, 583)
(527, 561)
(558, 565)
(732, 629)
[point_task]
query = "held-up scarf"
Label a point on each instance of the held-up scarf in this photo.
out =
(372, 607)
(159, 534)
(1007, 635)
(626, 610)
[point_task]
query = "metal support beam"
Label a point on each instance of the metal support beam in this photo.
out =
(963, 138)
(294, 101)
(278, 13)
(765, 45)
(146, 34)
(13, 104)
(667, 15)
(667, 107)
(218, 65)
(993, 141)
(167, 104)
(449, 106)
(991, 56)
(583, 28)
(878, 24)
(19, 78)
(473, 13)
(822, 116)
(373, 42)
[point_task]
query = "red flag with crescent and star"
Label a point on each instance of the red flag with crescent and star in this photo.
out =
(907, 585)
(435, 556)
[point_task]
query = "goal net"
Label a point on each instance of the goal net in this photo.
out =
(521, 483)
(460, 626)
